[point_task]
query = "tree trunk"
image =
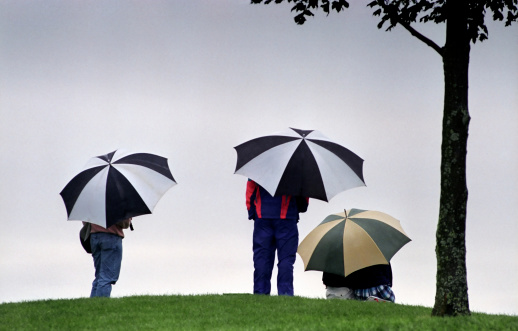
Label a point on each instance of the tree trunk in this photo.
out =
(451, 296)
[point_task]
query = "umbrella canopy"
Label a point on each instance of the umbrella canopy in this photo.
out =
(117, 186)
(300, 163)
(352, 240)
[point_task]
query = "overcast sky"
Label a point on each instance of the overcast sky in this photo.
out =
(189, 80)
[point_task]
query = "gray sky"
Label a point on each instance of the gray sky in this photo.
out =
(189, 80)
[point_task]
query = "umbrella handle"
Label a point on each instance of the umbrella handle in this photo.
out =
(131, 226)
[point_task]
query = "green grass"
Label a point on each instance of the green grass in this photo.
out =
(234, 312)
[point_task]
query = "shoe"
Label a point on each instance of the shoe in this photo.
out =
(373, 298)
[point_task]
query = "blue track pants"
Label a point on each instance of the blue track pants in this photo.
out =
(272, 235)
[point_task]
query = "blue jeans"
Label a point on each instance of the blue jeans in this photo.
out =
(272, 235)
(107, 255)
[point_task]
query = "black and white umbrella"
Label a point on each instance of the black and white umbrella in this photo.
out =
(117, 186)
(300, 163)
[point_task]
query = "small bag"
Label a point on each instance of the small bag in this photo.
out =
(84, 237)
(302, 204)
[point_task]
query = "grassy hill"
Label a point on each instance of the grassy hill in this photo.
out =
(233, 312)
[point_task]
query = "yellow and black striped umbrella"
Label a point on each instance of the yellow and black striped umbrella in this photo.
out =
(352, 240)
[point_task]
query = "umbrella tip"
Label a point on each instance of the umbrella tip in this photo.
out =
(345, 211)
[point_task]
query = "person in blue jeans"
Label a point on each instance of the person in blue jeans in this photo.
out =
(107, 255)
(275, 229)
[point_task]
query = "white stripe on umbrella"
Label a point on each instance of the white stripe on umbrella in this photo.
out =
(150, 185)
(336, 175)
(90, 206)
(266, 175)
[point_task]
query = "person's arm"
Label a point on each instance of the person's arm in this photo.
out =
(251, 188)
(124, 224)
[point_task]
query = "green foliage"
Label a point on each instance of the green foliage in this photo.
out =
(405, 12)
(233, 312)
(305, 7)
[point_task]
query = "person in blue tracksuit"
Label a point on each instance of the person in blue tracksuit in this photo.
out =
(275, 229)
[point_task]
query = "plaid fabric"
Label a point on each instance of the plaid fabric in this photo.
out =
(381, 291)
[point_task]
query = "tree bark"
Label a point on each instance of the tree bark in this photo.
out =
(451, 296)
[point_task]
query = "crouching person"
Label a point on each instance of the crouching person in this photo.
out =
(371, 283)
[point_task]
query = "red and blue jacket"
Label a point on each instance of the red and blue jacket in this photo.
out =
(261, 204)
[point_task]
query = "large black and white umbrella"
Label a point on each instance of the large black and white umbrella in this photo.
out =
(300, 163)
(117, 186)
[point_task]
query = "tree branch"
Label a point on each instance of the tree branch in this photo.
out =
(392, 14)
(421, 37)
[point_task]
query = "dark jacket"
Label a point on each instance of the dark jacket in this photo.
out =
(260, 204)
(380, 274)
